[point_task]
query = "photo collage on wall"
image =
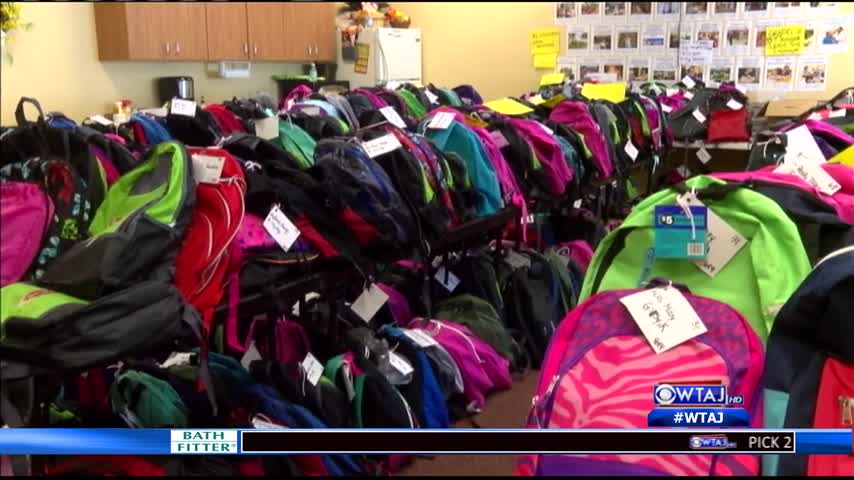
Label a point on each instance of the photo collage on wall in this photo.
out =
(639, 41)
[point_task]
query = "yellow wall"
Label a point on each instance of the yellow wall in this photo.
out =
(57, 63)
(486, 45)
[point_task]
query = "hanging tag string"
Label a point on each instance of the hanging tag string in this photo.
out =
(682, 201)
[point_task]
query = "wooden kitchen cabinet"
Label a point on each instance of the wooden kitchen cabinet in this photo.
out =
(267, 34)
(323, 18)
(227, 31)
(151, 31)
(311, 29)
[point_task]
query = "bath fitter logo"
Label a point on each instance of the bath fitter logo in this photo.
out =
(204, 441)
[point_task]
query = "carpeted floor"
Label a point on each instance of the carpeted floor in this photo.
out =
(506, 409)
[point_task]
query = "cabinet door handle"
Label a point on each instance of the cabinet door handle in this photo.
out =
(177, 48)
(255, 49)
(308, 49)
(246, 49)
(168, 49)
(315, 49)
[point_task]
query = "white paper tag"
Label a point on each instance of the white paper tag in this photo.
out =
(381, 145)
(666, 108)
(207, 168)
(280, 227)
(265, 425)
(838, 113)
(183, 107)
(704, 155)
(684, 171)
(699, 115)
(546, 129)
(577, 203)
(313, 369)
(689, 95)
(452, 280)
(722, 242)
(672, 91)
(431, 96)
(399, 364)
(106, 121)
(157, 112)
(250, 356)
(811, 173)
(664, 316)
(369, 302)
(176, 358)
(815, 116)
(733, 104)
(392, 85)
(267, 128)
(800, 142)
(741, 89)
(689, 82)
(499, 139)
(311, 111)
(632, 150)
(393, 117)
(420, 338)
(441, 121)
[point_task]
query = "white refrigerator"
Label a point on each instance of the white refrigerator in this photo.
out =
(394, 55)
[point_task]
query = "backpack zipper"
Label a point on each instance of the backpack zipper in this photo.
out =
(465, 337)
(846, 404)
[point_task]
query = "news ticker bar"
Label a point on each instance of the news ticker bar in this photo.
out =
(96, 441)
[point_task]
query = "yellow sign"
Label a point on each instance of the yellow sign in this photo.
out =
(362, 54)
(613, 92)
(507, 106)
(845, 157)
(537, 100)
(545, 60)
(552, 79)
(787, 40)
(546, 40)
(552, 102)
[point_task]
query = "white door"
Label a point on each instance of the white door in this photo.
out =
(400, 54)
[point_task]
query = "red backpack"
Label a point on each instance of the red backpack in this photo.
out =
(203, 259)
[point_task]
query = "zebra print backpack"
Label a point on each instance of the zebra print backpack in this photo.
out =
(600, 372)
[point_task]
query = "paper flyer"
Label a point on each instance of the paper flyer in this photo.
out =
(819, 8)
(759, 28)
(614, 66)
(811, 33)
(725, 9)
(812, 73)
(569, 67)
(640, 11)
(696, 10)
(628, 37)
(677, 33)
(614, 11)
(603, 38)
(748, 73)
(667, 10)
(737, 38)
(664, 70)
(710, 31)
(639, 69)
(695, 71)
(833, 36)
(785, 40)
(787, 9)
(654, 37)
(756, 9)
(588, 66)
(565, 12)
(545, 40)
(577, 37)
(720, 70)
(779, 73)
(589, 12)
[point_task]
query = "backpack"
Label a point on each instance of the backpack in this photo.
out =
(145, 401)
(26, 212)
(152, 131)
(598, 355)
(810, 364)
(344, 109)
(468, 95)
(227, 120)
(136, 231)
(200, 130)
(578, 116)
(684, 124)
(297, 143)
(752, 281)
(549, 153)
(203, 258)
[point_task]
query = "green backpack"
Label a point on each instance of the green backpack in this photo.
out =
(416, 109)
(757, 281)
(136, 231)
(145, 401)
(297, 143)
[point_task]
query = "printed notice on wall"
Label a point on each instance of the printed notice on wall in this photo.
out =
(546, 40)
(785, 40)
(362, 55)
(698, 52)
(812, 73)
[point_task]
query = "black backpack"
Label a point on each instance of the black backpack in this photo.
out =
(200, 130)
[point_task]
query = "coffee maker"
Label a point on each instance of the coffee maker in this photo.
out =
(175, 87)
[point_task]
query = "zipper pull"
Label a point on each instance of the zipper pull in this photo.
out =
(846, 404)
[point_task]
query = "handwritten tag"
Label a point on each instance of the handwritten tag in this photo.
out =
(207, 168)
(104, 120)
(666, 108)
(689, 95)
(267, 128)
(664, 316)
(689, 82)
(393, 117)
(432, 97)
(264, 425)
(838, 113)
(499, 139)
(280, 227)
(672, 91)
(704, 155)
(722, 242)
(800, 144)
(420, 338)
(313, 369)
(369, 303)
(399, 364)
(450, 283)
(177, 358)
(441, 121)
(733, 104)
(812, 173)
(183, 107)
(699, 115)
(631, 150)
(382, 145)
(250, 356)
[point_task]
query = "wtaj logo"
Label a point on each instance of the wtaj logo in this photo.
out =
(711, 442)
(705, 394)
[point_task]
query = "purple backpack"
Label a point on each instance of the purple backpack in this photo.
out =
(373, 97)
(483, 369)
(397, 304)
(577, 116)
(26, 211)
(549, 153)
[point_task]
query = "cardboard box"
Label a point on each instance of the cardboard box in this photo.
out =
(788, 108)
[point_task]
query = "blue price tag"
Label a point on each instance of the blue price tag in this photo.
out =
(674, 236)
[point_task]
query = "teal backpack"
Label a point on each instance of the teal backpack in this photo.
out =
(297, 143)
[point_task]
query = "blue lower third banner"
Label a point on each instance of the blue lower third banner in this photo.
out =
(698, 417)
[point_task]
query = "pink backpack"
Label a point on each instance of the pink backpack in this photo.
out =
(483, 369)
(577, 116)
(548, 151)
(600, 372)
(26, 211)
